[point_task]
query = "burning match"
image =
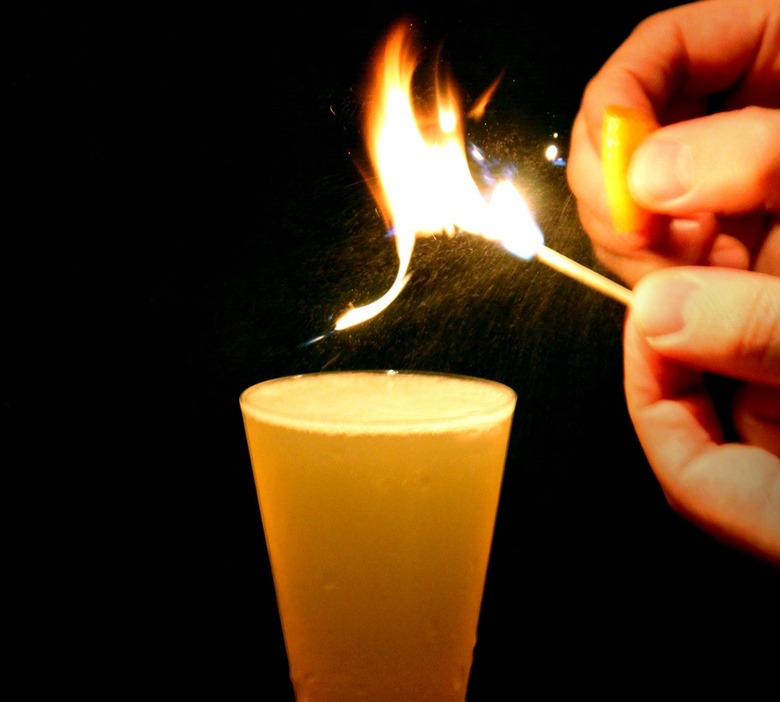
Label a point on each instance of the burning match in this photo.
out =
(426, 186)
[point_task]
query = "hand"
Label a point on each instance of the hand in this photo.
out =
(686, 321)
(708, 261)
(712, 180)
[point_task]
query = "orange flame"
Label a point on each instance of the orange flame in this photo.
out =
(426, 183)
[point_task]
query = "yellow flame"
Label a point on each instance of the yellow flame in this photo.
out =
(421, 163)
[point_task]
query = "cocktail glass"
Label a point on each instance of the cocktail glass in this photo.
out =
(378, 493)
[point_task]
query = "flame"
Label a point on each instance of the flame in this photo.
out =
(426, 183)
(478, 109)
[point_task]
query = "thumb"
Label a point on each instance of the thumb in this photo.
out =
(719, 320)
(726, 163)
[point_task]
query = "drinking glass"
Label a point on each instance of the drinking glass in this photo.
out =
(378, 493)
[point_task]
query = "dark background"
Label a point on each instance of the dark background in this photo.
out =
(185, 210)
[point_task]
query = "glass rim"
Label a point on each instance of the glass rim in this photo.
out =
(478, 416)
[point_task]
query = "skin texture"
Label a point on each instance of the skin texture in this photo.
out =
(705, 265)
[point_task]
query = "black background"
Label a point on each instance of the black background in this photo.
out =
(186, 208)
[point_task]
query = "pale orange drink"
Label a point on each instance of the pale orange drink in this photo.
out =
(378, 494)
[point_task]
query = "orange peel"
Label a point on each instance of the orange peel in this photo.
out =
(622, 130)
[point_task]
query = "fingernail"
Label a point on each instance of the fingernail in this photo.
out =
(661, 170)
(658, 305)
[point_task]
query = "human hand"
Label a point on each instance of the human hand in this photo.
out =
(710, 179)
(716, 238)
(685, 322)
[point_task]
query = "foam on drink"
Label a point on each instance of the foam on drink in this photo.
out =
(379, 402)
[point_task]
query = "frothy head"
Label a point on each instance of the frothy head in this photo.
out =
(361, 402)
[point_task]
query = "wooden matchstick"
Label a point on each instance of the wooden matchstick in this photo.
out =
(585, 275)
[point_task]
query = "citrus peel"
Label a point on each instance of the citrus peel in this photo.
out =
(622, 130)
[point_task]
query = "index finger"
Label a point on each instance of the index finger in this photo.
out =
(675, 61)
